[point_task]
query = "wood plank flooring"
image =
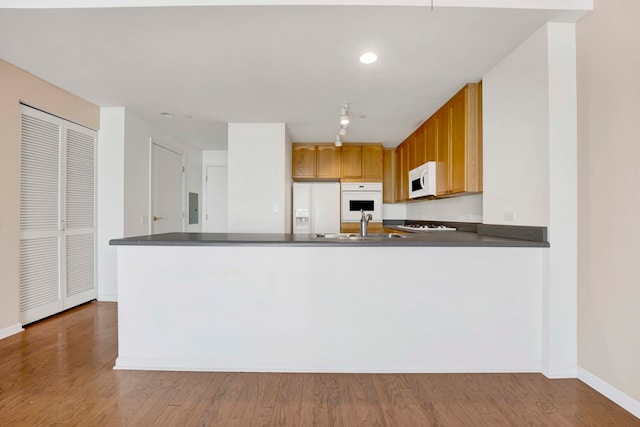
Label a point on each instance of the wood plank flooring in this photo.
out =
(59, 372)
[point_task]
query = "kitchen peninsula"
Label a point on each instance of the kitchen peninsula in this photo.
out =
(434, 302)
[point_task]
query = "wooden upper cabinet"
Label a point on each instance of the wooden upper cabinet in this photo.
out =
(328, 159)
(421, 148)
(430, 139)
(452, 137)
(443, 154)
(362, 162)
(402, 172)
(388, 175)
(457, 142)
(417, 149)
(352, 161)
(372, 162)
(324, 161)
(465, 141)
(303, 159)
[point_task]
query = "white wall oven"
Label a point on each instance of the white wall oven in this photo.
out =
(357, 196)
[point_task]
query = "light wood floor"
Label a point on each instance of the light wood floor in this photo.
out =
(59, 372)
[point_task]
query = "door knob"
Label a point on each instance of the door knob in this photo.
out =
(155, 218)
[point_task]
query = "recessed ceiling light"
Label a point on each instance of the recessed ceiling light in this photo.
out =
(166, 115)
(368, 58)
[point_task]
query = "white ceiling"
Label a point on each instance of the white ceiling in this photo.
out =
(292, 64)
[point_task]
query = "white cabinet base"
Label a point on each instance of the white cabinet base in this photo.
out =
(329, 309)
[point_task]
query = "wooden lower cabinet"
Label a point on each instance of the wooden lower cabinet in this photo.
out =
(354, 227)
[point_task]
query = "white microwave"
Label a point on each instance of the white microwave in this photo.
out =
(422, 180)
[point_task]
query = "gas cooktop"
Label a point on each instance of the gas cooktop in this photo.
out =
(426, 227)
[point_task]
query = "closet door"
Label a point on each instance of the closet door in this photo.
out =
(57, 215)
(79, 215)
(40, 220)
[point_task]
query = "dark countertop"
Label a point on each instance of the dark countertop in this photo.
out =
(431, 238)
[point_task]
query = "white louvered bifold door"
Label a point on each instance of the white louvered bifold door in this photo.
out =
(57, 215)
(40, 227)
(79, 212)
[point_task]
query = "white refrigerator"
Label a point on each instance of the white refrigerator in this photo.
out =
(316, 207)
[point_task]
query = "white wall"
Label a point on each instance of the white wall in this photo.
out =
(111, 138)
(609, 287)
(259, 162)
(138, 134)
(123, 185)
(562, 286)
(216, 158)
(394, 211)
(529, 109)
(515, 109)
(462, 209)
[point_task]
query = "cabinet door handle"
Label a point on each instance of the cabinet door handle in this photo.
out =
(155, 218)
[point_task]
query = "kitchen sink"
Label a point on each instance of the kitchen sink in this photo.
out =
(337, 236)
(356, 237)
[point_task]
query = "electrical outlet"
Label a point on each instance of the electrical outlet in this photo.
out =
(509, 216)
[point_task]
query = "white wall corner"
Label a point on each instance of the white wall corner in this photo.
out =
(562, 293)
(11, 330)
(110, 195)
(288, 181)
(260, 149)
(609, 391)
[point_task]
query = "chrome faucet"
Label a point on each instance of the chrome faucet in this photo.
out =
(364, 223)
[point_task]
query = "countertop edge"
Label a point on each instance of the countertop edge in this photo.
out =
(450, 239)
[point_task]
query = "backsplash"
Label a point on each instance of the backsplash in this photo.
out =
(461, 209)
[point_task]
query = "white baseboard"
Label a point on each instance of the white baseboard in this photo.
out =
(606, 389)
(11, 330)
(108, 298)
(317, 366)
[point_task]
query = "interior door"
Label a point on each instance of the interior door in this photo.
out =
(216, 204)
(57, 215)
(41, 222)
(79, 273)
(167, 190)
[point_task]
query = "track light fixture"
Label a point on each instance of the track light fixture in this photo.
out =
(344, 121)
(344, 118)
